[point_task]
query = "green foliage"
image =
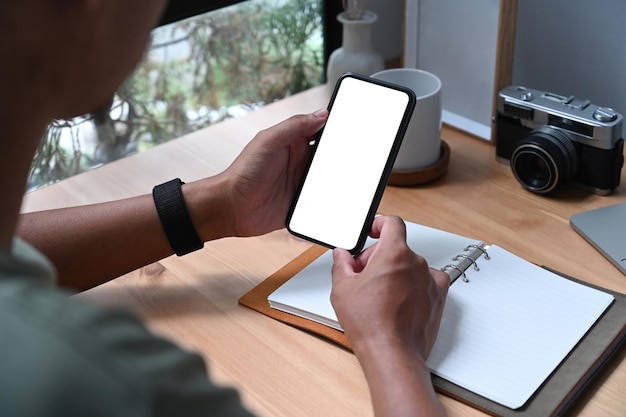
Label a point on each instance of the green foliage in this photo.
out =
(235, 58)
(52, 162)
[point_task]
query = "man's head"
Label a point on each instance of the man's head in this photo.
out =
(68, 57)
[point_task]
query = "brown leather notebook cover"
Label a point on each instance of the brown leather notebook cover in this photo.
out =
(555, 396)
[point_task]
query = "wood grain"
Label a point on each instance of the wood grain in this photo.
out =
(282, 371)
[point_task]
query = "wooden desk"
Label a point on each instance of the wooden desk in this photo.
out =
(282, 371)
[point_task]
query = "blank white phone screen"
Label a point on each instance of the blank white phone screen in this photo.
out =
(349, 161)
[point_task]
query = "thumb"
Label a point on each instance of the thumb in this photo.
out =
(297, 126)
(314, 121)
(343, 263)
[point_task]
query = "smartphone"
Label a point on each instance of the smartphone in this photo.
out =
(351, 161)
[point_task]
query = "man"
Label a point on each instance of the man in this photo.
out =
(60, 356)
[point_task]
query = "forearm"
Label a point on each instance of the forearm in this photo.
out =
(399, 383)
(95, 243)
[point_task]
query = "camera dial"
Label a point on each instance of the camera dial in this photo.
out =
(544, 159)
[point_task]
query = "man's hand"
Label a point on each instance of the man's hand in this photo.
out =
(262, 181)
(389, 303)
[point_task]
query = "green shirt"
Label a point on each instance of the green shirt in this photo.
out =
(60, 356)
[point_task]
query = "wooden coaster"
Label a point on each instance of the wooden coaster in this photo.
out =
(424, 175)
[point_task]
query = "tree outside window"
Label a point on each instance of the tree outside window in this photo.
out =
(195, 73)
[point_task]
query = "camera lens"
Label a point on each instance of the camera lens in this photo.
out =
(544, 159)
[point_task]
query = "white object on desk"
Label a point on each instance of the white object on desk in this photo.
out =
(503, 332)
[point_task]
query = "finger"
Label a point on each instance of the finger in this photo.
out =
(363, 258)
(301, 126)
(343, 263)
(385, 229)
(388, 227)
(441, 278)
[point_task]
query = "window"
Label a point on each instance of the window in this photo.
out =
(197, 71)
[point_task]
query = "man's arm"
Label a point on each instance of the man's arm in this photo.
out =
(399, 382)
(389, 304)
(92, 244)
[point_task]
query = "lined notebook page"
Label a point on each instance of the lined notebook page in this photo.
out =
(307, 294)
(509, 327)
(502, 333)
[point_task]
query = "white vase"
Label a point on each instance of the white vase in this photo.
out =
(356, 53)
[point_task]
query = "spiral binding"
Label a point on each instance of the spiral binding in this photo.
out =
(465, 261)
(464, 256)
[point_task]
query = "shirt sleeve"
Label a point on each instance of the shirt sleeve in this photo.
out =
(61, 356)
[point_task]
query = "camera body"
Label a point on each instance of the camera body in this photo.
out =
(549, 139)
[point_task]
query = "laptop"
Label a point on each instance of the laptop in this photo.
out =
(605, 229)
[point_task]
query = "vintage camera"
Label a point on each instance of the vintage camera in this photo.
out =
(550, 139)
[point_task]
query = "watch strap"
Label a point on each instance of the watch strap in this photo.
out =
(175, 219)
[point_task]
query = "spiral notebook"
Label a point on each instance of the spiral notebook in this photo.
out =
(508, 324)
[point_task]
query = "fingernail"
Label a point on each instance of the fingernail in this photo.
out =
(321, 113)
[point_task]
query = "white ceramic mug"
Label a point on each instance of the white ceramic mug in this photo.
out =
(421, 146)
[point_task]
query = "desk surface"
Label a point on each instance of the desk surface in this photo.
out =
(282, 371)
